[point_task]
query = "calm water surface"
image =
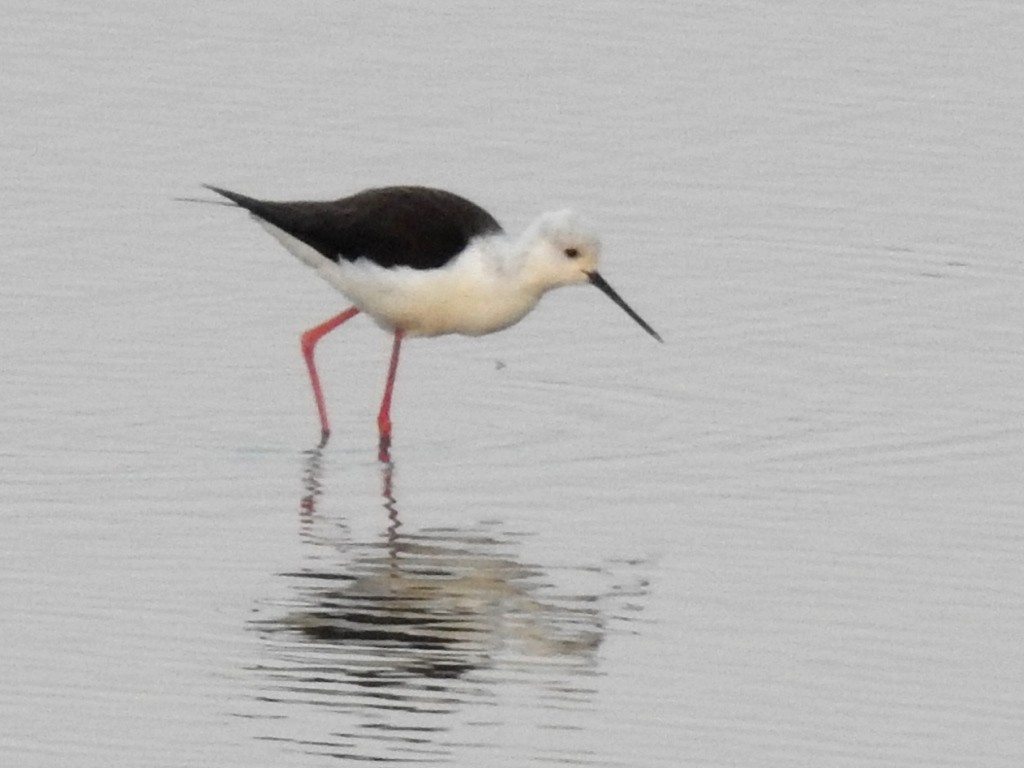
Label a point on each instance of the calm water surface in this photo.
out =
(789, 536)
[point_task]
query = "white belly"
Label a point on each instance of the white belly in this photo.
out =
(470, 295)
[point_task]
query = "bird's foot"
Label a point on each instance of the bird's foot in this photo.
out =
(384, 448)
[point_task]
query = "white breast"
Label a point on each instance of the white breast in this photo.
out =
(474, 294)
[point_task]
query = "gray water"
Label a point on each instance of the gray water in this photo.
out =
(791, 535)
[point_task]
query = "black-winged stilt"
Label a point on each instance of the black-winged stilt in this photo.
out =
(425, 262)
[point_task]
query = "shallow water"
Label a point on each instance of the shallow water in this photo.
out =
(789, 535)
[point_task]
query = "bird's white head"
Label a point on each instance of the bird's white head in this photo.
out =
(558, 249)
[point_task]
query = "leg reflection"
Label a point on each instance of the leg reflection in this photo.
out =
(313, 488)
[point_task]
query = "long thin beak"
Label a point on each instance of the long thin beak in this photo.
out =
(600, 282)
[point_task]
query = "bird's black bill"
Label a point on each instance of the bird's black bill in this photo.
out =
(608, 291)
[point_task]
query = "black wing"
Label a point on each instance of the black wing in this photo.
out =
(416, 227)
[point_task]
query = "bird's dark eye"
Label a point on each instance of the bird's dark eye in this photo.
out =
(572, 253)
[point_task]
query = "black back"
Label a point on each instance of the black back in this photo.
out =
(416, 227)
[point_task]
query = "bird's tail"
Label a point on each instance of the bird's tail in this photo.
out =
(204, 201)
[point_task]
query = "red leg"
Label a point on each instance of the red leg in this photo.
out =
(384, 416)
(309, 340)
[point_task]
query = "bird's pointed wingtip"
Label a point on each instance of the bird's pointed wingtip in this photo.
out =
(234, 198)
(222, 192)
(219, 190)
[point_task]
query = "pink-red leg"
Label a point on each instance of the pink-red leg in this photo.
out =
(384, 415)
(309, 340)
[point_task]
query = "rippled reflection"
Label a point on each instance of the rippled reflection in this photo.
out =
(404, 637)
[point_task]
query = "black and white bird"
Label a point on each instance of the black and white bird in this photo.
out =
(426, 262)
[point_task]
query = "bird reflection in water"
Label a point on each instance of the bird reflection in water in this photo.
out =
(389, 639)
(409, 607)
